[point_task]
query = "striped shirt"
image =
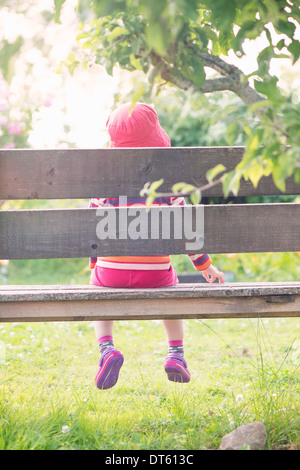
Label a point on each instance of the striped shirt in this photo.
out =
(200, 261)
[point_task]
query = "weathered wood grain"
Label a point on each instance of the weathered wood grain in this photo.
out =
(233, 228)
(76, 173)
(31, 293)
(86, 303)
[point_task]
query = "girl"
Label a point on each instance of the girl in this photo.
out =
(140, 128)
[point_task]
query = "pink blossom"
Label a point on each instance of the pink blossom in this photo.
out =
(14, 128)
(47, 101)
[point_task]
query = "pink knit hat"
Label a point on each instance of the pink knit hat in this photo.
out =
(140, 128)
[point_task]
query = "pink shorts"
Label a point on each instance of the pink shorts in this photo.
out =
(132, 278)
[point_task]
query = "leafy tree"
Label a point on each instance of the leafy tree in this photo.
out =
(176, 41)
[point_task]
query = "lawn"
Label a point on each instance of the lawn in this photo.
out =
(242, 371)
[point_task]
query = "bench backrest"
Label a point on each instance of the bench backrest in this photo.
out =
(82, 174)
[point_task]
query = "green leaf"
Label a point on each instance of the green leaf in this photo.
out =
(155, 185)
(149, 191)
(136, 63)
(213, 172)
(109, 65)
(279, 182)
(178, 187)
(199, 73)
(193, 69)
(232, 132)
(263, 60)
(286, 27)
(137, 96)
(246, 31)
(86, 45)
(269, 88)
(259, 104)
(149, 200)
(71, 63)
(116, 32)
(9, 51)
(195, 197)
(231, 183)
(294, 49)
(254, 173)
(201, 33)
(297, 176)
(157, 38)
(183, 187)
(155, 72)
(145, 190)
(58, 6)
(82, 35)
(225, 39)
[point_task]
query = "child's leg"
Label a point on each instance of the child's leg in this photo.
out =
(104, 333)
(111, 359)
(175, 364)
(103, 328)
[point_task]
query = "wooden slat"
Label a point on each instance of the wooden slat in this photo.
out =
(86, 303)
(34, 293)
(74, 173)
(68, 233)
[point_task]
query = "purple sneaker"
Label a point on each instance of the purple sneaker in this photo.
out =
(110, 364)
(176, 368)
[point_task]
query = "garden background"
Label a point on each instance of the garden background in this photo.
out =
(53, 95)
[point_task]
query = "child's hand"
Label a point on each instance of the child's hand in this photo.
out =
(212, 273)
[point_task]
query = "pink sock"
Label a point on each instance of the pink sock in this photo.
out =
(105, 342)
(105, 338)
(176, 346)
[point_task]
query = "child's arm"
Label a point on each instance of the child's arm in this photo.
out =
(212, 273)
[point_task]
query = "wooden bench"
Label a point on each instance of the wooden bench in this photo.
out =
(71, 233)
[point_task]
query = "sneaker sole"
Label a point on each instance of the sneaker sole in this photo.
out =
(108, 375)
(176, 373)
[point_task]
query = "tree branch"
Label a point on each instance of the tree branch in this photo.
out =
(247, 94)
(209, 86)
(230, 81)
(218, 64)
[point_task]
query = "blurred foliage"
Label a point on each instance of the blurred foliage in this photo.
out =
(8, 53)
(45, 271)
(193, 119)
(27, 52)
(15, 120)
(261, 267)
(250, 267)
(175, 42)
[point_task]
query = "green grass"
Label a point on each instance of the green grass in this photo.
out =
(242, 371)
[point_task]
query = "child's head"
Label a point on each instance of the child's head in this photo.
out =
(140, 128)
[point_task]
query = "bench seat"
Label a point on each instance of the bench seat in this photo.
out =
(86, 303)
